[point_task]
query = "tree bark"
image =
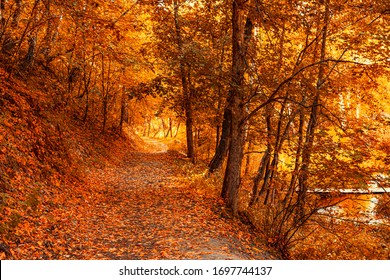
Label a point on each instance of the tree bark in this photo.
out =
(223, 144)
(29, 58)
(177, 129)
(123, 111)
(16, 15)
(2, 16)
(232, 178)
(309, 140)
(218, 137)
(185, 86)
(242, 32)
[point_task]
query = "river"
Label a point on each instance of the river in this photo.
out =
(361, 207)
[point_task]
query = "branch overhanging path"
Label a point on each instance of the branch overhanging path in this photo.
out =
(145, 209)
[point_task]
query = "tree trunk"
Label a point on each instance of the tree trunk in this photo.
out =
(189, 130)
(263, 167)
(86, 110)
(267, 169)
(169, 131)
(242, 33)
(248, 156)
(87, 82)
(2, 16)
(29, 58)
(309, 140)
(223, 144)
(298, 155)
(177, 130)
(105, 91)
(163, 126)
(149, 126)
(49, 31)
(105, 107)
(185, 86)
(232, 178)
(32, 38)
(218, 115)
(16, 15)
(123, 112)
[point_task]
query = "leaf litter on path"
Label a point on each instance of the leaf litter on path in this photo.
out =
(141, 207)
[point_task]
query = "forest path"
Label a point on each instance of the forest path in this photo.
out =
(150, 211)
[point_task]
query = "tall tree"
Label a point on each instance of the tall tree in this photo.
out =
(242, 28)
(185, 82)
(313, 120)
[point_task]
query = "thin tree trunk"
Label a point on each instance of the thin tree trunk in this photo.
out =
(220, 72)
(298, 155)
(177, 130)
(308, 145)
(185, 86)
(163, 126)
(260, 176)
(87, 82)
(149, 126)
(169, 131)
(2, 16)
(248, 156)
(123, 112)
(223, 145)
(268, 164)
(105, 91)
(32, 39)
(49, 31)
(16, 15)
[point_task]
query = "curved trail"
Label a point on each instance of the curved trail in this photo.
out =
(146, 210)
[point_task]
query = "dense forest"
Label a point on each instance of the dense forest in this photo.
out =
(261, 126)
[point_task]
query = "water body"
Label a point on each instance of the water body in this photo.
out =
(360, 207)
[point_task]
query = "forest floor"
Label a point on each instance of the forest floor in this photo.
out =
(143, 205)
(149, 211)
(144, 208)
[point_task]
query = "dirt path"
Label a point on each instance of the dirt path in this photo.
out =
(146, 210)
